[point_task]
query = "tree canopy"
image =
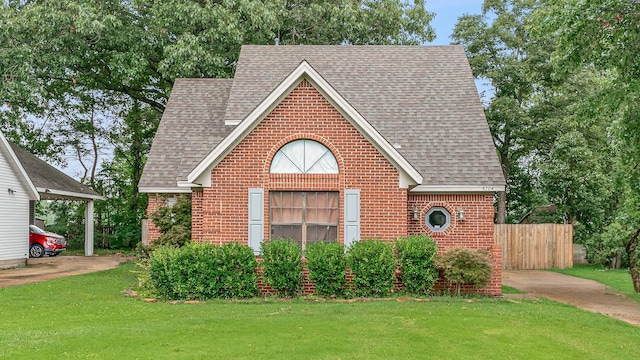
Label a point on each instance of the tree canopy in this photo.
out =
(91, 78)
(561, 110)
(52, 52)
(605, 36)
(565, 114)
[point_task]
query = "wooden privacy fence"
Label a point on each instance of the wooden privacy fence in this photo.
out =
(535, 246)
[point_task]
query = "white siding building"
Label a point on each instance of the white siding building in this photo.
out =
(16, 190)
(24, 179)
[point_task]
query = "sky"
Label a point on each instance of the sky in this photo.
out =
(447, 14)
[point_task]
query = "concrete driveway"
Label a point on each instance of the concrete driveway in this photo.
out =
(582, 293)
(47, 268)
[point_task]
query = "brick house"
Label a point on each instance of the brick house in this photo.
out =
(331, 143)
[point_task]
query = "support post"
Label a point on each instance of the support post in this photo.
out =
(88, 228)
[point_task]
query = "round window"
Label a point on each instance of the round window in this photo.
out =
(438, 219)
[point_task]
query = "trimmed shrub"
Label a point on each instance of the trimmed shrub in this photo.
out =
(282, 266)
(160, 264)
(183, 273)
(372, 266)
(327, 267)
(416, 259)
(203, 271)
(238, 277)
(465, 266)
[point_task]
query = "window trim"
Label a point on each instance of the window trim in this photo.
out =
(447, 223)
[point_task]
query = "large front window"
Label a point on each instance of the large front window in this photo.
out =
(304, 216)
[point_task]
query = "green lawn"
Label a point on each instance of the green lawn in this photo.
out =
(616, 279)
(98, 251)
(86, 317)
(510, 290)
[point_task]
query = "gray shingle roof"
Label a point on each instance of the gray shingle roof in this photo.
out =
(422, 97)
(192, 124)
(45, 176)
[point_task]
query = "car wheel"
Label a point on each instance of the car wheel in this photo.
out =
(36, 251)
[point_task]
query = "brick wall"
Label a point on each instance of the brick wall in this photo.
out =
(475, 231)
(219, 213)
(304, 114)
(155, 202)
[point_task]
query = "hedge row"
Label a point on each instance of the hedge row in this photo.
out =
(199, 271)
(372, 264)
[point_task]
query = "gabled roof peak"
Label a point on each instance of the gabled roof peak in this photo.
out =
(304, 71)
(14, 161)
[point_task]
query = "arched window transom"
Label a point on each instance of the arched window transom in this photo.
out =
(304, 157)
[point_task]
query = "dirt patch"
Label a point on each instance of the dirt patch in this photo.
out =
(48, 268)
(585, 294)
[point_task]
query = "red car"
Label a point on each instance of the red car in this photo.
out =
(42, 242)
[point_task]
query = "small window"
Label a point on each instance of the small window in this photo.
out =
(438, 219)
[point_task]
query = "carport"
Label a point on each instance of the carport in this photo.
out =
(53, 184)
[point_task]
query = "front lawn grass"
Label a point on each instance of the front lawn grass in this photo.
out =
(619, 280)
(510, 290)
(85, 316)
(98, 251)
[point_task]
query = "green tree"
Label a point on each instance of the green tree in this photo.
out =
(120, 214)
(572, 178)
(57, 49)
(605, 35)
(174, 222)
(63, 63)
(552, 149)
(573, 157)
(502, 52)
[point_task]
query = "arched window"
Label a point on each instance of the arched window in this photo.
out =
(304, 157)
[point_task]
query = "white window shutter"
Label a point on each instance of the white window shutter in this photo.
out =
(256, 219)
(351, 217)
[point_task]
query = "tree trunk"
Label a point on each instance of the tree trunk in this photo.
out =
(616, 261)
(502, 207)
(94, 146)
(502, 195)
(634, 260)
